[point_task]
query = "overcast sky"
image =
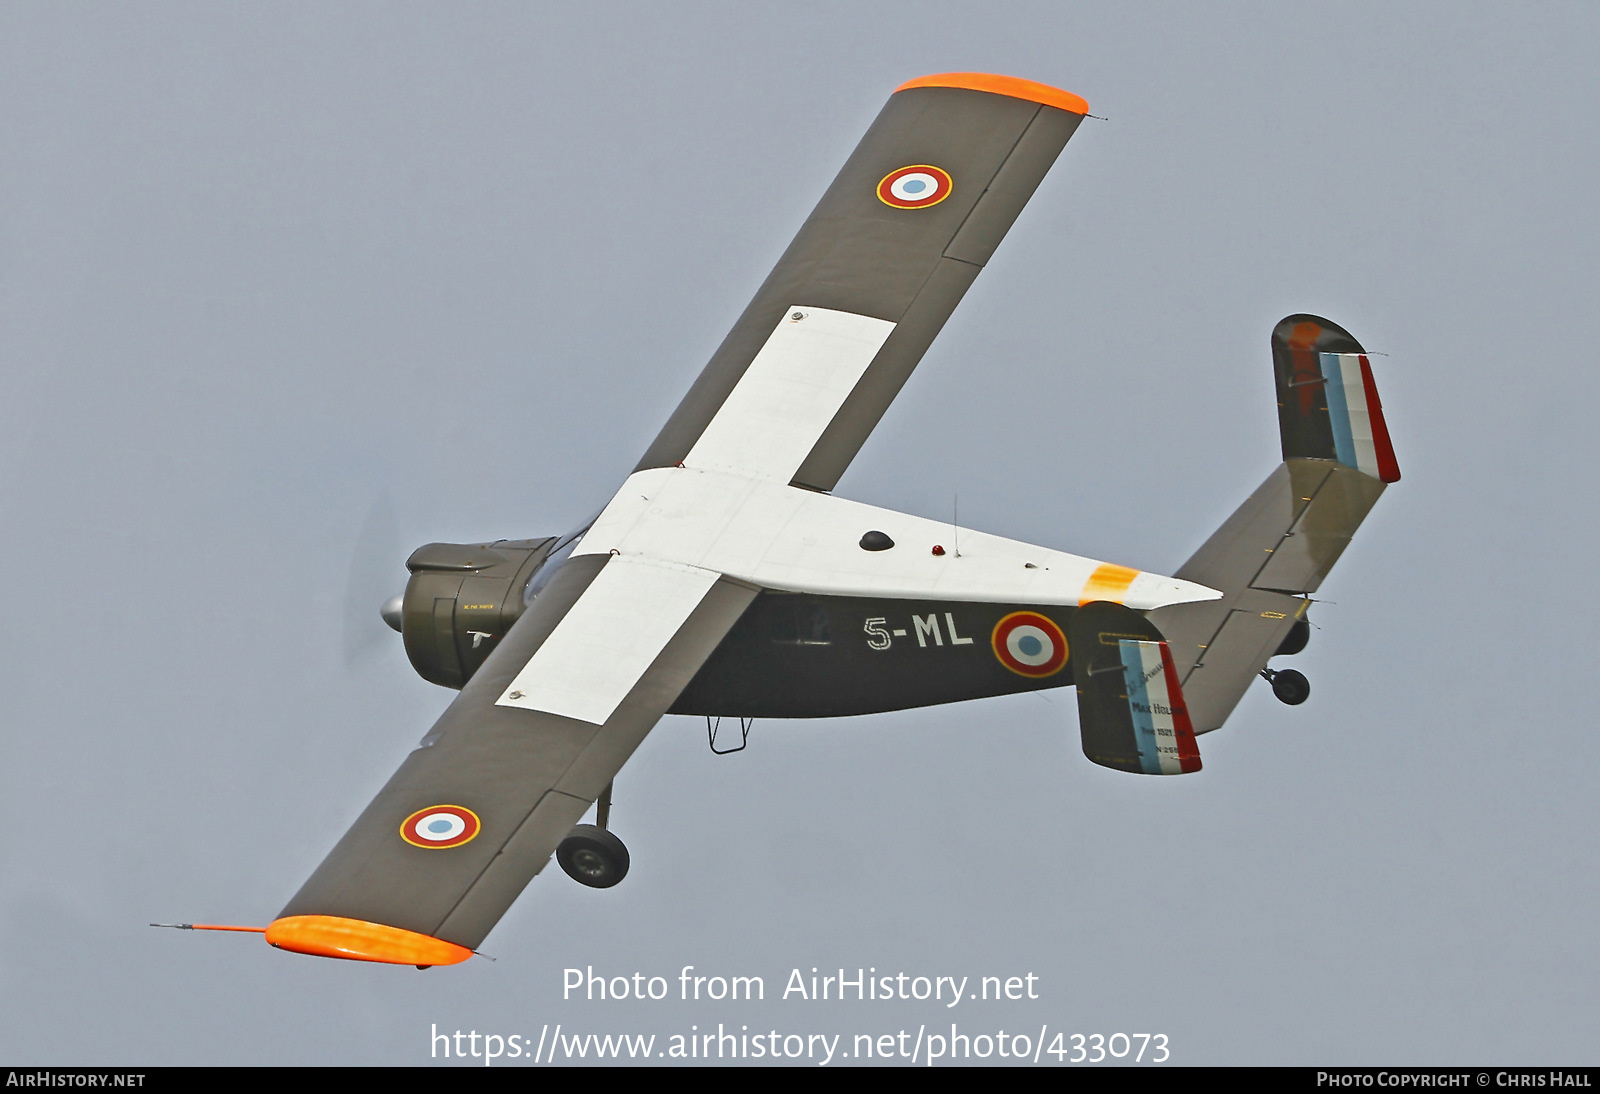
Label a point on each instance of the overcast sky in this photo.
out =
(289, 289)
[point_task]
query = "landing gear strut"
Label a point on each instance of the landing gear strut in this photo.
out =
(590, 854)
(1288, 685)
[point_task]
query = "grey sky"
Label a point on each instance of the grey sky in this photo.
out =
(271, 272)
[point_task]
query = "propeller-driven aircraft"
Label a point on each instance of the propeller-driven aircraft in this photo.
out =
(724, 578)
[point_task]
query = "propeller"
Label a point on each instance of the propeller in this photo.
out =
(377, 566)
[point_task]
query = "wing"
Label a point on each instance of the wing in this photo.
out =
(880, 264)
(505, 781)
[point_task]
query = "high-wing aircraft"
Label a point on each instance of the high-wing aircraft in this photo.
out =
(724, 579)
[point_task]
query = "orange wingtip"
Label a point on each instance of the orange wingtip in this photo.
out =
(1003, 85)
(358, 940)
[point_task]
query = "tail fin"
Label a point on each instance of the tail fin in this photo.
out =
(1328, 406)
(1131, 711)
(1280, 544)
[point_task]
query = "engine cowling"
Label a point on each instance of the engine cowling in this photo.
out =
(461, 600)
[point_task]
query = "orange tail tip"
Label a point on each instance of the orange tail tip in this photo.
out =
(1009, 86)
(358, 940)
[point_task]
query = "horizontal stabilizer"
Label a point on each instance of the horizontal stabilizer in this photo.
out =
(1328, 406)
(1131, 710)
(1278, 547)
(1275, 549)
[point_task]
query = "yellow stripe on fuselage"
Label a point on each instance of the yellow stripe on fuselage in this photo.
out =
(1109, 582)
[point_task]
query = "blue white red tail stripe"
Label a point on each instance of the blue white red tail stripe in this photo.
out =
(1360, 436)
(1161, 725)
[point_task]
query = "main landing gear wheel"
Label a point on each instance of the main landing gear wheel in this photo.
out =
(594, 857)
(1288, 685)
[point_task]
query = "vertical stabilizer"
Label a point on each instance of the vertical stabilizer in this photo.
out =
(1328, 406)
(1131, 710)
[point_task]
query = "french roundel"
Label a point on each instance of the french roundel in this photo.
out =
(915, 187)
(440, 826)
(1030, 644)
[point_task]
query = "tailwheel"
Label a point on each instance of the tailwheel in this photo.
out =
(593, 856)
(1289, 686)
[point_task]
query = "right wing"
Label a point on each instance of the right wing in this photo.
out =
(1280, 544)
(881, 270)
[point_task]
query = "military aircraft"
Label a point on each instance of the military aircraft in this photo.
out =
(724, 579)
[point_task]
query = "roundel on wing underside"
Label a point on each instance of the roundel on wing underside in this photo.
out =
(1030, 644)
(915, 187)
(440, 826)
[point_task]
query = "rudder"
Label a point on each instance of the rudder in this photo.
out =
(1328, 406)
(1131, 711)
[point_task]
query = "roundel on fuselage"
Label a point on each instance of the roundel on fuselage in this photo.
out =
(1030, 644)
